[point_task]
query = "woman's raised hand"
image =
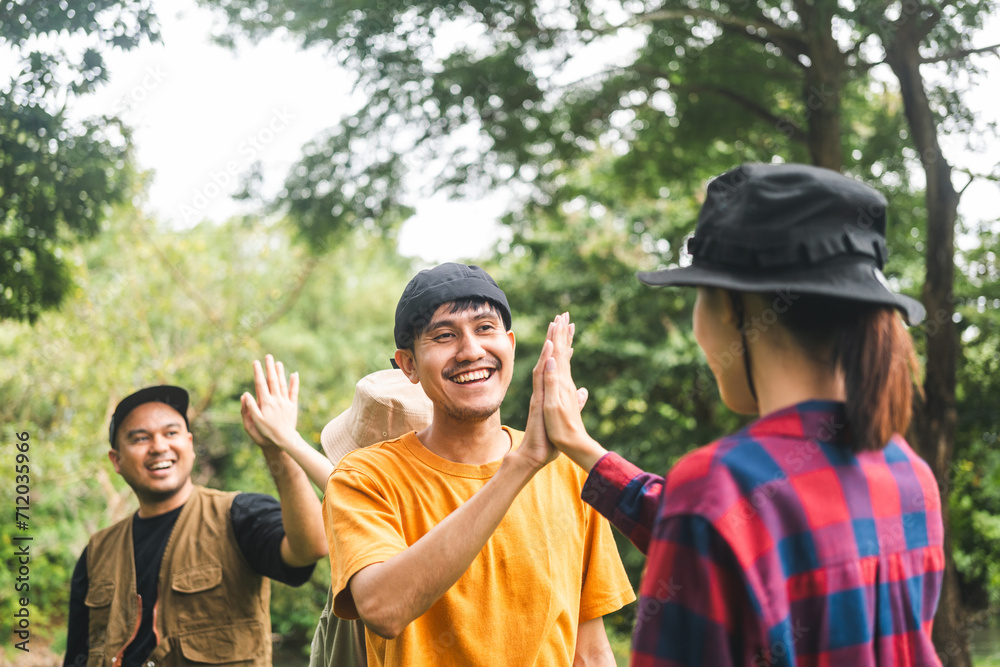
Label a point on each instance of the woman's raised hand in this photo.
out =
(562, 401)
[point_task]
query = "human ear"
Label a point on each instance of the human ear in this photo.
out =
(115, 458)
(407, 364)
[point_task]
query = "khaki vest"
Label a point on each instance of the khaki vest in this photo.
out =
(212, 608)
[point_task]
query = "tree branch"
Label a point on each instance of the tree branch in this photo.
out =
(794, 132)
(927, 25)
(293, 296)
(995, 178)
(788, 50)
(960, 53)
(183, 283)
(772, 28)
(961, 191)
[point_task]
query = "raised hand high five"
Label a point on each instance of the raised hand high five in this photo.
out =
(271, 418)
(562, 401)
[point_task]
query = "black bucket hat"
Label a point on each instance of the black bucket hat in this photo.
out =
(770, 227)
(175, 397)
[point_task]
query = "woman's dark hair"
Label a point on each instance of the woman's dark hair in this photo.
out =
(872, 347)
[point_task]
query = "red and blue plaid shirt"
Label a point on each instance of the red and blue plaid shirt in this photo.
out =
(778, 546)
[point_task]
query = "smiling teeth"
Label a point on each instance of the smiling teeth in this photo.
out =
(161, 465)
(474, 375)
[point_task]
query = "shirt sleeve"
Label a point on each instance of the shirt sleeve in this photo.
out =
(628, 497)
(78, 625)
(259, 531)
(693, 605)
(362, 528)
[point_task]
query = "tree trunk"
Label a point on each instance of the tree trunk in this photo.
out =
(936, 415)
(823, 86)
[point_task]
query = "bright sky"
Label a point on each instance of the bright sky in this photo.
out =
(203, 115)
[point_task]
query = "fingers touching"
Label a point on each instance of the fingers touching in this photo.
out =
(272, 413)
(269, 380)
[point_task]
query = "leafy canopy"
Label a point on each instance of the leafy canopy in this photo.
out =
(481, 93)
(57, 176)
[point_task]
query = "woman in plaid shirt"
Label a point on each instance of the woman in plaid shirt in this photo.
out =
(813, 536)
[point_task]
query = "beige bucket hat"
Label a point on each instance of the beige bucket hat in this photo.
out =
(386, 405)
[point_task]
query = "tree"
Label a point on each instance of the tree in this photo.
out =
(153, 305)
(493, 91)
(706, 84)
(974, 493)
(924, 27)
(58, 176)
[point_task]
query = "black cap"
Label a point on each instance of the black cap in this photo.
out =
(175, 397)
(432, 287)
(768, 227)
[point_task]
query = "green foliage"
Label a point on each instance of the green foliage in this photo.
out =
(616, 160)
(621, 644)
(484, 93)
(57, 177)
(634, 348)
(973, 487)
(192, 308)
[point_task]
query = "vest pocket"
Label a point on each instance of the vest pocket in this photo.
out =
(198, 596)
(238, 642)
(197, 579)
(96, 657)
(100, 595)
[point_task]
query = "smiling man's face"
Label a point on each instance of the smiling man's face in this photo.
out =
(155, 454)
(464, 362)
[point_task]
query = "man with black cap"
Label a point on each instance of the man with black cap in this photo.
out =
(466, 543)
(186, 578)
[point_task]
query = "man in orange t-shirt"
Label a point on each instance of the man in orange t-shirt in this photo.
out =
(466, 543)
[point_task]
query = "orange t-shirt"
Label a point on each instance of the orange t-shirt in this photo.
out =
(551, 563)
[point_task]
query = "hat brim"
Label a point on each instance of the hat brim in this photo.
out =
(854, 282)
(336, 438)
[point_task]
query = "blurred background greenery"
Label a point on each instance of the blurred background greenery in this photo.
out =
(98, 298)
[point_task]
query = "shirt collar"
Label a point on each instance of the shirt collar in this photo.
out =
(812, 420)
